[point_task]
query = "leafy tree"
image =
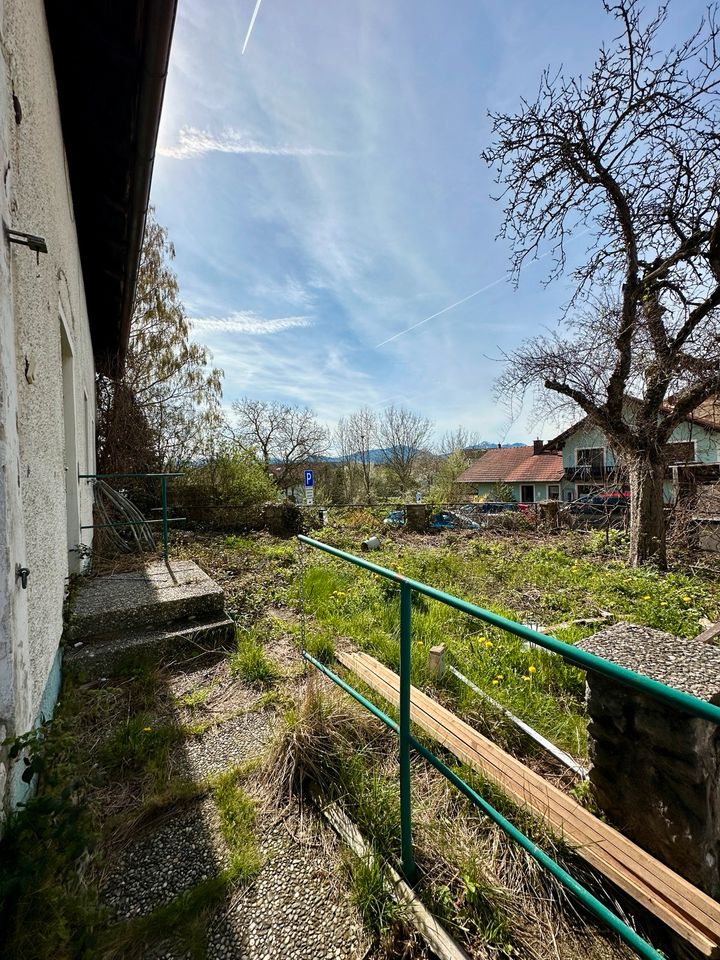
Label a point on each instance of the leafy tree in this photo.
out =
(234, 476)
(443, 487)
(402, 434)
(158, 413)
(286, 437)
(631, 154)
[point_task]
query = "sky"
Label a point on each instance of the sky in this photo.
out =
(335, 232)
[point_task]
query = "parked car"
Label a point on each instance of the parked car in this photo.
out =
(600, 504)
(445, 520)
(396, 518)
(491, 506)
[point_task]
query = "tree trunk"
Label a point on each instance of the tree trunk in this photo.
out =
(647, 518)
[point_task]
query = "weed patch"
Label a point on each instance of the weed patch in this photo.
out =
(251, 662)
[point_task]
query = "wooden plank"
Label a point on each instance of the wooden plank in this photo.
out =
(710, 635)
(593, 828)
(602, 846)
(437, 938)
(684, 908)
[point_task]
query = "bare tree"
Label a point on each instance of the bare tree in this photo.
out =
(286, 437)
(362, 435)
(630, 154)
(402, 434)
(347, 451)
(458, 439)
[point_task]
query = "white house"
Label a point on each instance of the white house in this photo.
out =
(81, 88)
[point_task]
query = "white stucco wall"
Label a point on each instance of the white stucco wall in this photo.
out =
(35, 292)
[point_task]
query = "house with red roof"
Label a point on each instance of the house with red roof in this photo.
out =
(532, 473)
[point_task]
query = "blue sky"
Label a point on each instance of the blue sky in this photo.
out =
(325, 193)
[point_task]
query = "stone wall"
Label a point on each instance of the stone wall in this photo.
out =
(655, 771)
(418, 517)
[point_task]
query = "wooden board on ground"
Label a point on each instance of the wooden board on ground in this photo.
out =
(685, 909)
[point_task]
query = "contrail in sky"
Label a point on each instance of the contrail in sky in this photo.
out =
(493, 283)
(487, 286)
(252, 24)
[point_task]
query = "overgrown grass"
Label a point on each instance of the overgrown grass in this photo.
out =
(548, 585)
(383, 917)
(93, 797)
(485, 890)
(251, 662)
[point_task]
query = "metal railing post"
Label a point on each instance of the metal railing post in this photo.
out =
(408, 861)
(163, 485)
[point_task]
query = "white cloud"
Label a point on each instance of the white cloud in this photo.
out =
(193, 142)
(250, 323)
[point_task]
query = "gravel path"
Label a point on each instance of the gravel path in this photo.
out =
(225, 745)
(296, 909)
(160, 864)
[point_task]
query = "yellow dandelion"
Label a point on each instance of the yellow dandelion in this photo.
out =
(495, 682)
(647, 597)
(532, 669)
(663, 603)
(687, 599)
(526, 678)
(499, 677)
(488, 643)
(147, 729)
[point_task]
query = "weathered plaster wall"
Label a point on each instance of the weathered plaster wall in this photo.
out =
(34, 293)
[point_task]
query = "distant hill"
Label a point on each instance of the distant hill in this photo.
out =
(378, 454)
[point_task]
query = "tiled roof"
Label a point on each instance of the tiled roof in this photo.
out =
(515, 465)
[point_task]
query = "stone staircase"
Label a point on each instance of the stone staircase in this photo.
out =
(144, 610)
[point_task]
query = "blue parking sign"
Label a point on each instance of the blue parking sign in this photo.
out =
(309, 478)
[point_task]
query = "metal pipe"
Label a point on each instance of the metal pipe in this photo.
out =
(586, 661)
(626, 933)
(408, 860)
(642, 947)
(363, 701)
(163, 487)
(105, 476)
(128, 523)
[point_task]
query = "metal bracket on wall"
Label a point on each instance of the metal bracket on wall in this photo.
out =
(35, 243)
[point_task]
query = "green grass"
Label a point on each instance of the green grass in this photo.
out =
(550, 584)
(382, 916)
(237, 823)
(251, 662)
(194, 698)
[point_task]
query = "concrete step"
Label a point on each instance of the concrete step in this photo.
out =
(107, 607)
(100, 657)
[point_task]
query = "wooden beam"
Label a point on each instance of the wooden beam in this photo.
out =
(685, 909)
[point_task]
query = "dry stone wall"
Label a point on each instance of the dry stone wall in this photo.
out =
(655, 771)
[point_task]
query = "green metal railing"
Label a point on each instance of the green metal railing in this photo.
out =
(165, 520)
(586, 661)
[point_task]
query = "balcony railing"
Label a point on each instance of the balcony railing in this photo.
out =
(587, 473)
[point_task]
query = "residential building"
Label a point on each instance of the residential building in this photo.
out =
(81, 87)
(590, 463)
(532, 473)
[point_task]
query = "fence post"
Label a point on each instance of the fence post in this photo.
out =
(408, 860)
(163, 485)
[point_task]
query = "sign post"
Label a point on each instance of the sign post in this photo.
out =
(309, 487)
